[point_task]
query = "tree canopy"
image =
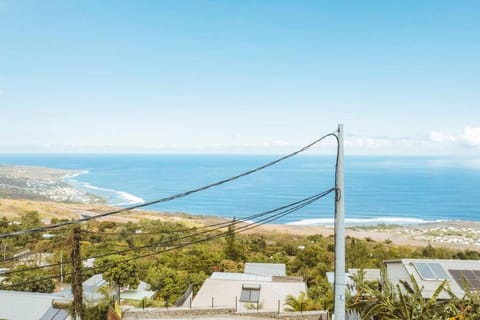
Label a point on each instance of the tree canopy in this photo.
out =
(118, 272)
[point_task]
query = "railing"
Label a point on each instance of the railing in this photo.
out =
(181, 301)
(164, 313)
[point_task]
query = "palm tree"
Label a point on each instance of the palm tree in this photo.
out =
(403, 301)
(413, 305)
(300, 303)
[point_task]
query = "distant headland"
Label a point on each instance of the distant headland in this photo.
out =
(43, 184)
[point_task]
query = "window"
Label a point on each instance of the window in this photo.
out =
(438, 271)
(250, 293)
(430, 271)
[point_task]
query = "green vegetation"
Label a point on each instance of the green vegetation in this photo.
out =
(170, 283)
(301, 303)
(26, 280)
(173, 270)
(405, 301)
(117, 273)
(380, 226)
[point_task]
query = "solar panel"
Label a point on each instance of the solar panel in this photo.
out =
(474, 284)
(438, 271)
(469, 275)
(430, 270)
(466, 278)
(424, 271)
(55, 314)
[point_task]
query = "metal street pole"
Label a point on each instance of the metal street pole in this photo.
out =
(339, 287)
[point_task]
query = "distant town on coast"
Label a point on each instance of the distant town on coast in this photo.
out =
(247, 160)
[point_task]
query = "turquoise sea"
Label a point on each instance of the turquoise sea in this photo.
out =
(378, 189)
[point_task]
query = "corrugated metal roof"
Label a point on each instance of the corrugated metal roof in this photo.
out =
(55, 314)
(266, 269)
(94, 281)
(138, 294)
(331, 278)
(90, 288)
(239, 277)
(370, 274)
(17, 305)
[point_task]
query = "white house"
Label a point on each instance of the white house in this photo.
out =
(92, 292)
(430, 273)
(244, 291)
(19, 305)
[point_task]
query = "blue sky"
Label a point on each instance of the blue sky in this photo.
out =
(239, 76)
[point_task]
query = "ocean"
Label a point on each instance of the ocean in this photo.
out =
(388, 190)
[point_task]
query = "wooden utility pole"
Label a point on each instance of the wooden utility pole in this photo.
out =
(61, 265)
(4, 251)
(339, 285)
(76, 261)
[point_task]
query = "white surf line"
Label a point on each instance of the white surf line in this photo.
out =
(363, 221)
(128, 197)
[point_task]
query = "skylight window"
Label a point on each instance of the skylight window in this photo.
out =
(430, 270)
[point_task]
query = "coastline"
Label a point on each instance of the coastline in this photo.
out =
(155, 176)
(55, 193)
(123, 198)
(450, 234)
(43, 184)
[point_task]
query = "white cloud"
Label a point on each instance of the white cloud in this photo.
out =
(276, 143)
(440, 137)
(381, 142)
(471, 136)
(436, 142)
(368, 142)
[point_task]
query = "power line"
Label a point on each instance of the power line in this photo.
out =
(21, 255)
(240, 229)
(182, 245)
(219, 224)
(287, 207)
(172, 197)
(243, 228)
(155, 233)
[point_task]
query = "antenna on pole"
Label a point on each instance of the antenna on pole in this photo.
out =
(339, 286)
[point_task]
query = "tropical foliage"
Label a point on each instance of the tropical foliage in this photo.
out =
(170, 271)
(300, 303)
(405, 301)
(119, 271)
(29, 280)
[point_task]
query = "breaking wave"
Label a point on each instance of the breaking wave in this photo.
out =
(114, 197)
(363, 221)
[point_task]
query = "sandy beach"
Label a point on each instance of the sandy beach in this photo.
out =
(451, 234)
(45, 184)
(44, 190)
